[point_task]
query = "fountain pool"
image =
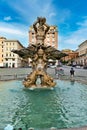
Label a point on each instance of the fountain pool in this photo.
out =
(63, 107)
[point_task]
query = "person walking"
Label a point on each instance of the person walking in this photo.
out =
(72, 72)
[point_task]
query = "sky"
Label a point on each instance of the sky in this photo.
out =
(70, 16)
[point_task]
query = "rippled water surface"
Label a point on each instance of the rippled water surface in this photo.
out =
(63, 107)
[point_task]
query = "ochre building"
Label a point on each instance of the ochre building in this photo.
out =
(8, 58)
(51, 37)
(72, 55)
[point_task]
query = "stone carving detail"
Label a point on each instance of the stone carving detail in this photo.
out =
(41, 28)
(40, 54)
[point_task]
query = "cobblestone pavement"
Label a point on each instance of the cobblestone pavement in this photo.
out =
(13, 73)
(80, 74)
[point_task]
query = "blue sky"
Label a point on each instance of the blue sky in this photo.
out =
(69, 15)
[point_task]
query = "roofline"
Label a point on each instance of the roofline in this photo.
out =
(14, 41)
(2, 37)
(82, 43)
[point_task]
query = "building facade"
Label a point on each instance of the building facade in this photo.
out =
(2, 39)
(8, 58)
(82, 51)
(71, 56)
(51, 37)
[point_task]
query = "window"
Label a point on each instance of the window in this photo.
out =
(6, 59)
(53, 39)
(6, 54)
(53, 35)
(53, 42)
(32, 40)
(6, 64)
(13, 59)
(48, 35)
(48, 39)
(32, 36)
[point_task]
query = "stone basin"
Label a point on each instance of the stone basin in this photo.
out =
(63, 107)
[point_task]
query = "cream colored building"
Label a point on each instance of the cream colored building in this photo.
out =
(8, 58)
(51, 37)
(2, 39)
(82, 50)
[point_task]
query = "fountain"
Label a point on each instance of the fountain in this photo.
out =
(40, 55)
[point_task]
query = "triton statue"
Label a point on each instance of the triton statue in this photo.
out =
(40, 54)
(40, 29)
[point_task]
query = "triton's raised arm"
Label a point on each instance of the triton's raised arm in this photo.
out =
(35, 27)
(41, 22)
(47, 27)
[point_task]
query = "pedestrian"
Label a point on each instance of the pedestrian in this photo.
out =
(72, 72)
(56, 70)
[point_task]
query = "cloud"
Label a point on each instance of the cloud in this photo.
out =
(11, 31)
(52, 14)
(30, 10)
(14, 31)
(8, 18)
(82, 24)
(73, 39)
(63, 16)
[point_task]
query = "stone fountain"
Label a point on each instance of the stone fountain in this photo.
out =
(40, 55)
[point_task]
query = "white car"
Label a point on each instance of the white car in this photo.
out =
(53, 66)
(78, 66)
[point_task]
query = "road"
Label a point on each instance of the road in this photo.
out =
(80, 74)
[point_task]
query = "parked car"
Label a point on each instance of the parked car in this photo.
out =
(85, 67)
(52, 66)
(78, 66)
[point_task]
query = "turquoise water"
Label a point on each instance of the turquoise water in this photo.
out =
(63, 107)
